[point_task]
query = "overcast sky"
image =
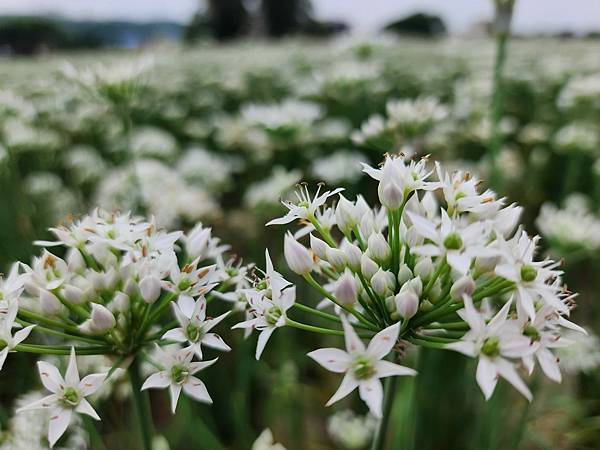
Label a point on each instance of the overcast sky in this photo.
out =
(362, 15)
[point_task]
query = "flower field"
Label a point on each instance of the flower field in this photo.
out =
(181, 226)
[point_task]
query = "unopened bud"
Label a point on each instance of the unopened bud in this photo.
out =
(150, 288)
(74, 295)
(379, 249)
(337, 258)
(121, 302)
(407, 304)
(380, 282)
(368, 267)
(353, 256)
(49, 303)
(345, 290)
(102, 319)
(75, 260)
(404, 274)
(424, 268)
(297, 256)
(319, 247)
(464, 285)
(345, 214)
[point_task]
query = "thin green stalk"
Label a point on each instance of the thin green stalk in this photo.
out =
(38, 318)
(325, 234)
(50, 331)
(62, 350)
(141, 407)
(308, 277)
(504, 11)
(314, 329)
(327, 316)
(389, 392)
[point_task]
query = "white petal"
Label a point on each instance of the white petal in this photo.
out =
(371, 392)
(423, 226)
(59, 421)
(389, 369)
(176, 334)
(383, 342)
(526, 302)
(186, 305)
(459, 261)
(507, 271)
(472, 316)
(211, 323)
(42, 403)
(72, 375)
(549, 364)
(84, 407)
(353, 342)
(3, 355)
(570, 325)
(174, 392)
(500, 318)
(196, 389)
(464, 347)
(215, 341)
(91, 383)
(200, 365)
(50, 376)
(486, 377)
(199, 312)
(507, 371)
(333, 359)
(21, 335)
(263, 337)
(349, 383)
(159, 380)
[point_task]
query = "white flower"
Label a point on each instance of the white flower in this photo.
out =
(532, 278)
(195, 327)
(8, 341)
(68, 395)
(268, 313)
(459, 244)
(363, 366)
(177, 374)
(306, 206)
(494, 344)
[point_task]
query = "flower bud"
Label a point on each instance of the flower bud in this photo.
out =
(404, 274)
(337, 258)
(74, 294)
(390, 194)
(345, 214)
(111, 278)
(485, 264)
(121, 302)
(415, 285)
(131, 288)
(150, 288)
(102, 319)
(97, 279)
(380, 282)
(424, 268)
(345, 290)
(353, 256)
(368, 267)
(367, 224)
(297, 256)
(464, 285)
(379, 249)
(319, 247)
(49, 303)
(407, 304)
(390, 303)
(75, 261)
(197, 241)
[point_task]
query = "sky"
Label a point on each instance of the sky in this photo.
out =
(363, 15)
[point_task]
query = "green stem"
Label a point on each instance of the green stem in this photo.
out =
(50, 331)
(503, 18)
(141, 407)
(308, 277)
(38, 318)
(389, 392)
(314, 329)
(326, 235)
(327, 316)
(62, 349)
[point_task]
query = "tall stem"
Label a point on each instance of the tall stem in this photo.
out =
(504, 12)
(389, 392)
(141, 407)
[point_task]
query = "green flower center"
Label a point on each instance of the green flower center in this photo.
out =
(528, 273)
(453, 242)
(491, 347)
(363, 368)
(272, 315)
(184, 284)
(262, 285)
(179, 374)
(193, 332)
(71, 397)
(532, 332)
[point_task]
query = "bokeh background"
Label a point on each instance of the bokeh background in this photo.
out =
(213, 111)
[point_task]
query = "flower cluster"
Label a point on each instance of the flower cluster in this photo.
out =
(439, 264)
(119, 277)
